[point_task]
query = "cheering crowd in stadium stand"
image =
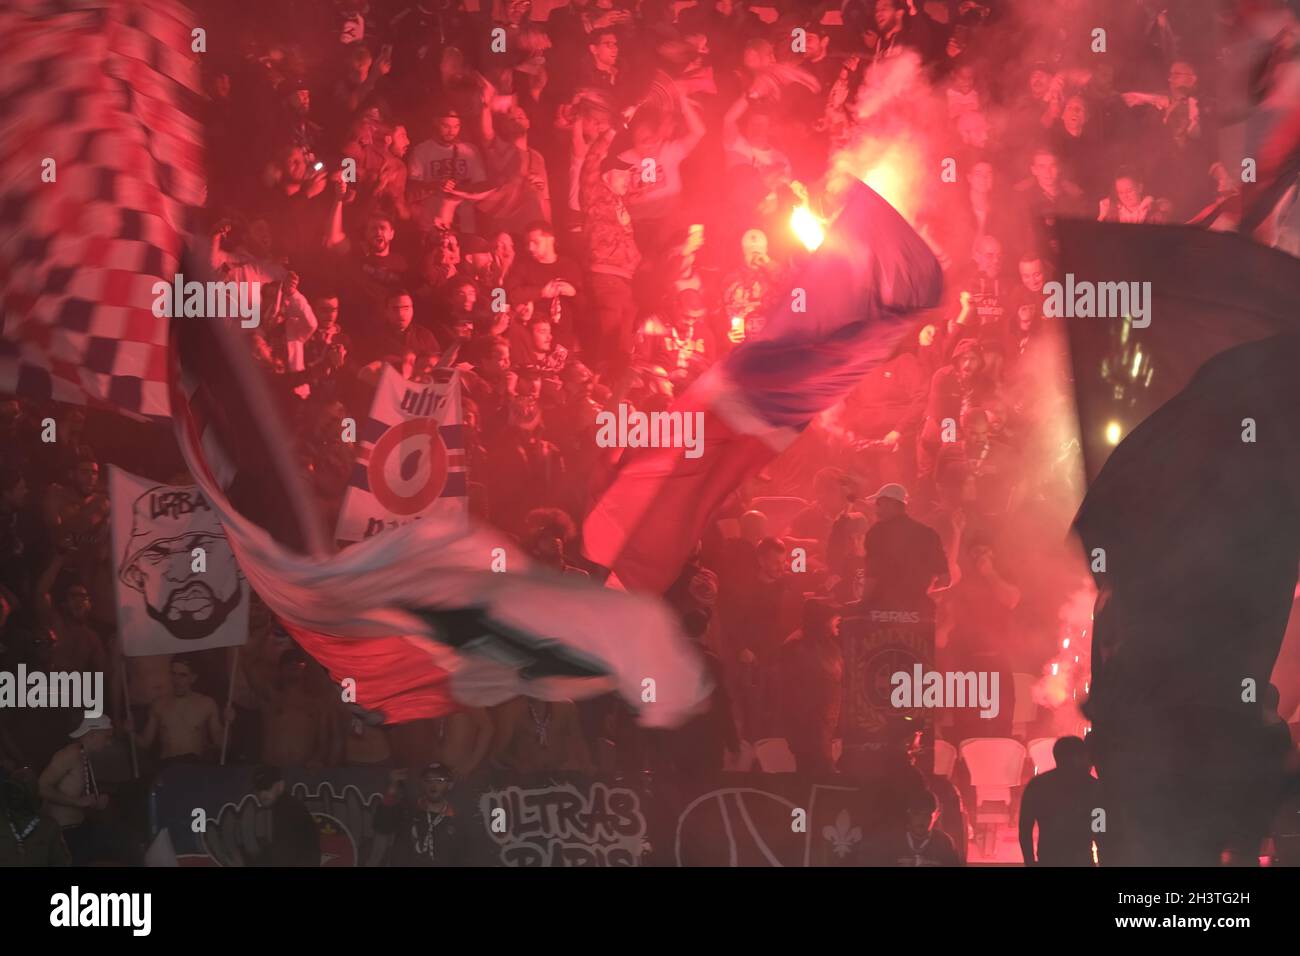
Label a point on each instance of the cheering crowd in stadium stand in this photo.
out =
(593, 208)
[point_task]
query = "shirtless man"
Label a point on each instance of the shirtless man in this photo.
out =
(299, 727)
(534, 736)
(466, 740)
(187, 723)
(459, 741)
(364, 743)
(67, 787)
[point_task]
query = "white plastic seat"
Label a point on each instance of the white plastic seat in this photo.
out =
(945, 758)
(774, 755)
(995, 765)
(743, 762)
(1026, 711)
(1040, 754)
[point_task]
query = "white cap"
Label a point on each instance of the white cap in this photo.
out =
(91, 723)
(891, 490)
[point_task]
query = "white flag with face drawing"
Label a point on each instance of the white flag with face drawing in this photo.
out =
(178, 586)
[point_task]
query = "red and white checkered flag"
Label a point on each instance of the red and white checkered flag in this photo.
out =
(417, 617)
(101, 175)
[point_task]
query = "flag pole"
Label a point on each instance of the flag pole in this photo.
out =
(449, 356)
(230, 698)
(130, 734)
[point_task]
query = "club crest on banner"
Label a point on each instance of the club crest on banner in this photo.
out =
(410, 460)
(408, 467)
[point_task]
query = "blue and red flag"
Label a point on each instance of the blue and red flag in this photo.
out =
(848, 309)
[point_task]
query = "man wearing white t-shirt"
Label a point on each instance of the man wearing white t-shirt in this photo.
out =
(439, 172)
(746, 136)
(289, 309)
(251, 261)
(657, 178)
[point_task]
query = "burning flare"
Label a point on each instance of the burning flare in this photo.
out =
(806, 224)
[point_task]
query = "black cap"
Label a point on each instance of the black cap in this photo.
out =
(614, 161)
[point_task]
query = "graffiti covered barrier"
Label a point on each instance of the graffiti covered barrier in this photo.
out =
(212, 818)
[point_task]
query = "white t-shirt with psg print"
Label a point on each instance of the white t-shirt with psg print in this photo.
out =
(434, 162)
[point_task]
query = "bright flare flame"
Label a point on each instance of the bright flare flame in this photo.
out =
(891, 168)
(889, 176)
(807, 227)
(1113, 433)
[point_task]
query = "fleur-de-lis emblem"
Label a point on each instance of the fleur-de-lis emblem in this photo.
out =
(842, 836)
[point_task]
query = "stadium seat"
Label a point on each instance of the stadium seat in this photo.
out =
(1026, 711)
(995, 765)
(1040, 754)
(743, 762)
(774, 755)
(945, 758)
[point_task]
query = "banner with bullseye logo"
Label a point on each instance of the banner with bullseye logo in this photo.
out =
(410, 458)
